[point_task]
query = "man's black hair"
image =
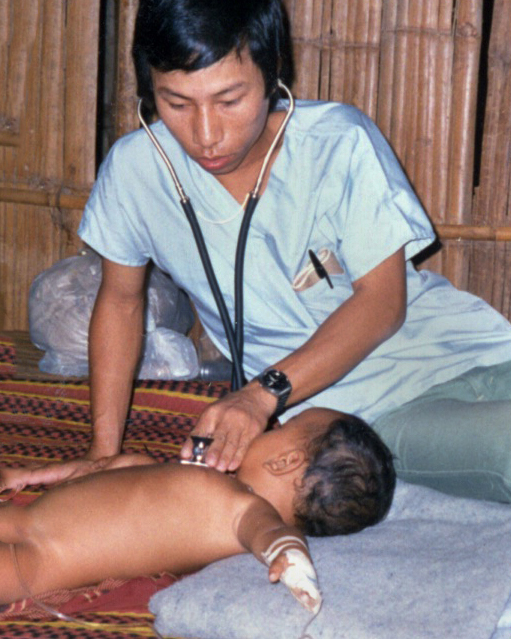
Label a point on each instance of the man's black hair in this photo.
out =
(349, 482)
(193, 34)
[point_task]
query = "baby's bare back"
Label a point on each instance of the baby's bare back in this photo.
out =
(128, 522)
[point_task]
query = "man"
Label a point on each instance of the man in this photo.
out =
(372, 338)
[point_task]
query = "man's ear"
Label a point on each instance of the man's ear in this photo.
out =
(286, 462)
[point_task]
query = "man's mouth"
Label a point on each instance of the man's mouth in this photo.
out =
(215, 164)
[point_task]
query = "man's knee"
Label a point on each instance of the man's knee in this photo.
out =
(463, 448)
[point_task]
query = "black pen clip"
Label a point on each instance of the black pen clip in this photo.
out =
(319, 268)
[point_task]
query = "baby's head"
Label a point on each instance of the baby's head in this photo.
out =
(349, 481)
(326, 472)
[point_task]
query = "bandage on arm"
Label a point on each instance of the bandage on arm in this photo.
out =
(299, 575)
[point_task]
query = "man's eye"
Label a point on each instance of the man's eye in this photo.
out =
(229, 103)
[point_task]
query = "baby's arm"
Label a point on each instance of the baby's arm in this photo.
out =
(283, 548)
(12, 480)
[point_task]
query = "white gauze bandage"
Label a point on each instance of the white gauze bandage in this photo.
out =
(299, 576)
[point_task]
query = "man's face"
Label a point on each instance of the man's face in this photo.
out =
(217, 114)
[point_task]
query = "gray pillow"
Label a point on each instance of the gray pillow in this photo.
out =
(437, 567)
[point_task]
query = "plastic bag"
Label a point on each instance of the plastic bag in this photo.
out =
(168, 355)
(61, 299)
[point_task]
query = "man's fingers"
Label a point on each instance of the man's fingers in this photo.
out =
(223, 450)
(232, 422)
(12, 480)
(186, 450)
(59, 472)
(238, 456)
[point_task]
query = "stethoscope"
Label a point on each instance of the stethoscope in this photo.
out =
(234, 335)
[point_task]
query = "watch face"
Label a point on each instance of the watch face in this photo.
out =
(276, 380)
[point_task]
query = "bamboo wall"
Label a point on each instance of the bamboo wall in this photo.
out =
(412, 65)
(48, 75)
(490, 262)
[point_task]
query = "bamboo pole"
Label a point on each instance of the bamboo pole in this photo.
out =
(306, 33)
(358, 52)
(348, 39)
(493, 193)
(58, 197)
(337, 27)
(471, 232)
(76, 200)
(451, 259)
(5, 7)
(398, 97)
(22, 55)
(326, 78)
(373, 59)
(412, 38)
(50, 118)
(7, 137)
(126, 90)
(465, 84)
(82, 35)
(467, 29)
(429, 79)
(490, 264)
(30, 147)
(501, 297)
(388, 57)
(441, 123)
(24, 14)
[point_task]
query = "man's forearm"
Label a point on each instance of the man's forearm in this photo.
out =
(373, 314)
(115, 340)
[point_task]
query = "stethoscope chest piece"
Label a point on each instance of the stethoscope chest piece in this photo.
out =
(199, 450)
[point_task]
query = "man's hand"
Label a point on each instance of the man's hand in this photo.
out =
(233, 422)
(12, 480)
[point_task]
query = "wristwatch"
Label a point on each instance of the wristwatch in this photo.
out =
(277, 383)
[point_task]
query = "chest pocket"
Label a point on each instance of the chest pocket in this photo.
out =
(322, 295)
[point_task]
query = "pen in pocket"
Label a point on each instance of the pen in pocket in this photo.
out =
(319, 268)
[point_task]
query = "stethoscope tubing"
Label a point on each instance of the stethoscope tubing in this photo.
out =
(239, 268)
(237, 380)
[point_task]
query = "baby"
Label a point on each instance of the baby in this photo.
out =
(135, 517)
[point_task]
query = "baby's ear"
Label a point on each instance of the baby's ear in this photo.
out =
(286, 462)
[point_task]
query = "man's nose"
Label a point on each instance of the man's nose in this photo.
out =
(207, 128)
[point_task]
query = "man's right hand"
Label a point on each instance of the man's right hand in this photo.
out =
(12, 480)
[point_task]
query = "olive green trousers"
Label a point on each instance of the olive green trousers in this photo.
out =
(456, 437)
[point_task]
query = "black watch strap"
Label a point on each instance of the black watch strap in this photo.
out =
(277, 383)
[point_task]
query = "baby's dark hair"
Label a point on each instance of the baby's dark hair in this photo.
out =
(349, 483)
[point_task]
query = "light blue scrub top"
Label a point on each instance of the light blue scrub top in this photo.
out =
(336, 185)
